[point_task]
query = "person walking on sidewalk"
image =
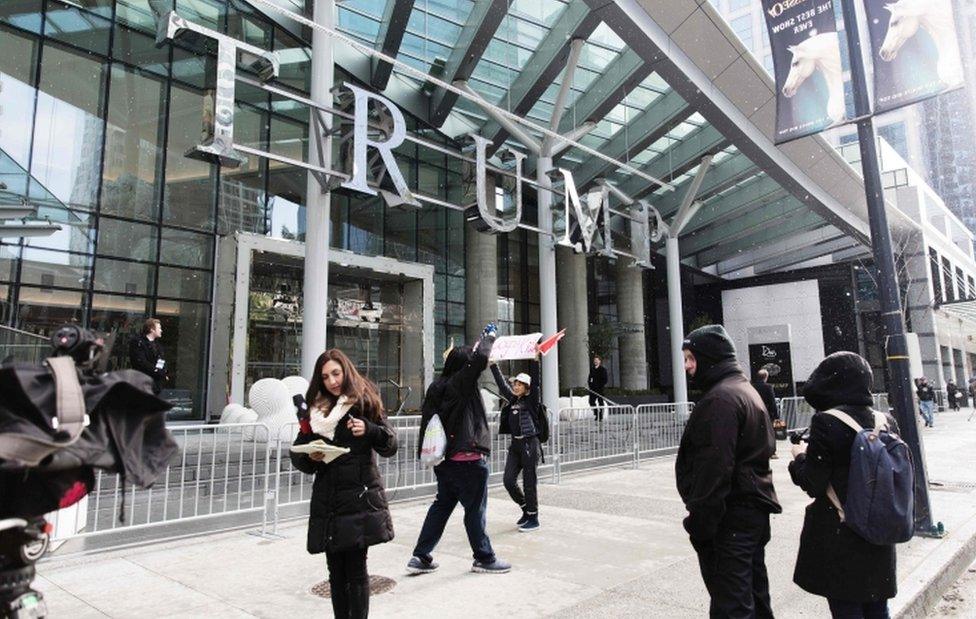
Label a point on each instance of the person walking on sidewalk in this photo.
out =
(348, 511)
(926, 401)
(723, 477)
(520, 418)
(857, 577)
(768, 396)
(952, 394)
(463, 475)
(596, 383)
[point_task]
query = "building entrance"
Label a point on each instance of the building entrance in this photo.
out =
(380, 314)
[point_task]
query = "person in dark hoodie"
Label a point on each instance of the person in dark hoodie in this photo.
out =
(723, 477)
(520, 418)
(856, 576)
(463, 475)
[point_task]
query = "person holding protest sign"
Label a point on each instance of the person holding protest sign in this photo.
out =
(463, 475)
(521, 417)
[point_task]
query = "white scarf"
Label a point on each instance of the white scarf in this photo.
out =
(325, 424)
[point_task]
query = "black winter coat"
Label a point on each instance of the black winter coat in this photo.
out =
(833, 560)
(597, 379)
(530, 404)
(349, 507)
(457, 399)
(768, 396)
(143, 356)
(724, 453)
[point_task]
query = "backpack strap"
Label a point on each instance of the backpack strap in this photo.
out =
(70, 418)
(846, 419)
(880, 422)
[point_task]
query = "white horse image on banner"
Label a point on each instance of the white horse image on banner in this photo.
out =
(821, 52)
(935, 17)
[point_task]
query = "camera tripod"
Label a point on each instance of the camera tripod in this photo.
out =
(22, 543)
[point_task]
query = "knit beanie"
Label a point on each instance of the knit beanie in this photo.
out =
(842, 378)
(711, 342)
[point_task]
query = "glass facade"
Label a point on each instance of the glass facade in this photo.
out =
(95, 123)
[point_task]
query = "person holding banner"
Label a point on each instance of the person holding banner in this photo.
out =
(462, 477)
(348, 511)
(521, 418)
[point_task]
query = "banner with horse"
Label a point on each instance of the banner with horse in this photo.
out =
(807, 67)
(915, 51)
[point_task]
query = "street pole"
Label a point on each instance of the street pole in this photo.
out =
(317, 203)
(899, 386)
(676, 318)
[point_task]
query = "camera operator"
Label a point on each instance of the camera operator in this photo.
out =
(856, 576)
(146, 353)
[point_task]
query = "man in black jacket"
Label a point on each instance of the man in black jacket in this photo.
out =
(463, 475)
(597, 382)
(146, 353)
(768, 396)
(724, 479)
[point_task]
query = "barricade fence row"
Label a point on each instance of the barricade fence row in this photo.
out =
(245, 470)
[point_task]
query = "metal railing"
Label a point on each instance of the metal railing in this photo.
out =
(796, 412)
(23, 346)
(225, 472)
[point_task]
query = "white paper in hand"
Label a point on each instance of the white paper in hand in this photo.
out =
(435, 442)
(319, 446)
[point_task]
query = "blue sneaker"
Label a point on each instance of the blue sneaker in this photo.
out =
(531, 524)
(495, 567)
(419, 565)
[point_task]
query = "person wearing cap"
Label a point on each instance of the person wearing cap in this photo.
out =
(520, 418)
(723, 477)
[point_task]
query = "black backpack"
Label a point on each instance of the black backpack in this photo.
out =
(542, 423)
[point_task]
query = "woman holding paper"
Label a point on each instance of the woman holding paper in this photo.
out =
(348, 511)
(521, 418)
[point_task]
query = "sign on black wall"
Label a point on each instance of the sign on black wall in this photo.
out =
(915, 50)
(807, 67)
(775, 359)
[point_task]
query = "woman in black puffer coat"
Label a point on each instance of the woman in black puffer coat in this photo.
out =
(856, 576)
(349, 511)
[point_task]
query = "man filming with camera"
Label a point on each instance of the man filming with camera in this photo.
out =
(146, 353)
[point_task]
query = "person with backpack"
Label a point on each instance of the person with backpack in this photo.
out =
(348, 511)
(857, 576)
(522, 418)
(723, 476)
(462, 477)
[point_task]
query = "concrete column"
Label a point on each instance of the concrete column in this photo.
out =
(571, 295)
(548, 301)
(317, 202)
(676, 316)
(919, 299)
(480, 282)
(630, 313)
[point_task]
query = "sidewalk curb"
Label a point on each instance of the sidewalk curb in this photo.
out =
(925, 585)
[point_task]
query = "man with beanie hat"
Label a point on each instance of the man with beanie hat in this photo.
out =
(724, 479)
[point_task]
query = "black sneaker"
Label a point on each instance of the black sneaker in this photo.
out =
(531, 524)
(419, 565)
(523, 519)
(495, 567)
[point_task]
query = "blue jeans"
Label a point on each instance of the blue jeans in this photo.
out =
(465, 483)
(927, 408)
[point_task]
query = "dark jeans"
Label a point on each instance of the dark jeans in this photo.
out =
(858, 610)
(523, 457)
(733, 565)
(597, 403)
(349, 583)
(465, 483)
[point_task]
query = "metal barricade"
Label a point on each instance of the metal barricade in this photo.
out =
(880, 403)
(659, 428)
(596, 436)
(219, 470)
(796, 412)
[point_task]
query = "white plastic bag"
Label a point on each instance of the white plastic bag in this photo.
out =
(435, 442)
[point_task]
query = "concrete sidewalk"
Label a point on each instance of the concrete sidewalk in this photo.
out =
(611, 545)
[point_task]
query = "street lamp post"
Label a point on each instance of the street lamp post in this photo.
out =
(899, 387)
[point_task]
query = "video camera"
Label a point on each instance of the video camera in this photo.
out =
(59, 421)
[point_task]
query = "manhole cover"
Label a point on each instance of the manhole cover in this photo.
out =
(377, 585)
